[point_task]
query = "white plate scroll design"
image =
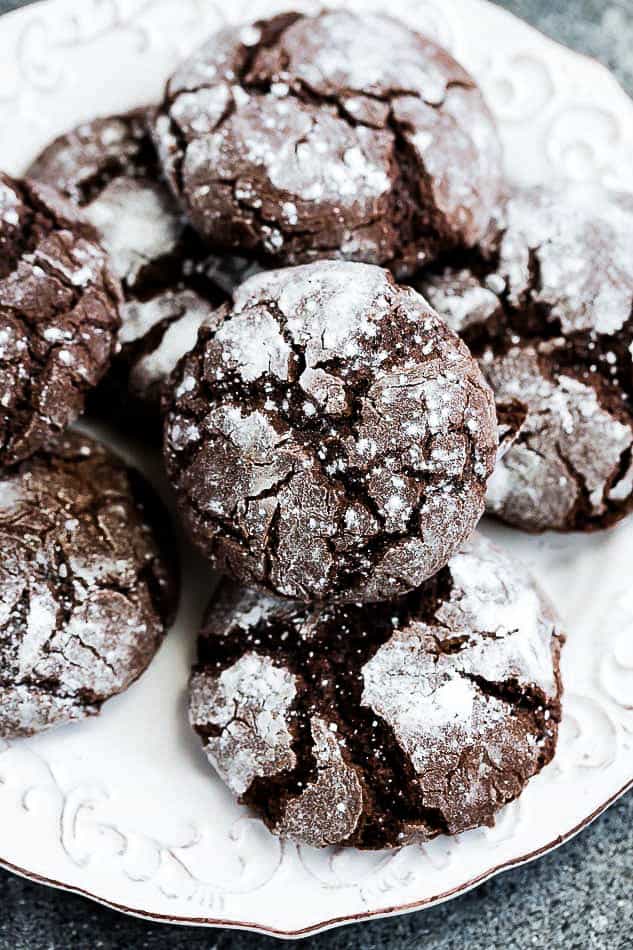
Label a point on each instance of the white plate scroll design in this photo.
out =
(124, 808)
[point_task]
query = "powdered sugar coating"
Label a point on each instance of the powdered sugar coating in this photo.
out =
(137, 223)
(85, 591)
(331, 438)
(461, 298)
(584, 245)
(27, 710)
(335, 135)
(249, 706)
(108, 168)
(412, 718)
(566, 252)
(328, 810)
(546, 306)
(74, 162)
(171, 282)
(449, 706)
(178, 315)
(59, 316)
(570, 445)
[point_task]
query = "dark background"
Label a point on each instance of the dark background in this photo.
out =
(578, 898)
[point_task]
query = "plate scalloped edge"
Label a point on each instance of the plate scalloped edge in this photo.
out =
(381, 913)
(69, 823)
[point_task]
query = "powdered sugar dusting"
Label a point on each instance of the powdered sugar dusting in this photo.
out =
(412, 717)
(253, 343)
(566, 250)
(328, 309)
(507, 637)
(291, 145)
(328, 809)
(569, 444)
(183, 313)
(584, 243)
(446, 705)
(26, 710)
(460, 298)
(248, 704)
(78, 621)
(58, 317)
(10, 202)
(547, 310)
(494, 602)
(331, 391)
(359, 56)
(171, 283)
(138, 223)
(41, 621)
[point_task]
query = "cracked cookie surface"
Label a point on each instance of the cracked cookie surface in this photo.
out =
(375, 725)
(333, 136)
(330, 437)
(88, 583)
(545, 305)
(59, 315)
(171, 281)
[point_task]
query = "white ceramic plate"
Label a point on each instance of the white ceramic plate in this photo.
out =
(125, 808)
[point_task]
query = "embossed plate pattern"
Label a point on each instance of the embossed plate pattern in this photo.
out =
(124, 808)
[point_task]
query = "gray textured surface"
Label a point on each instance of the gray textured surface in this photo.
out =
(579, 898)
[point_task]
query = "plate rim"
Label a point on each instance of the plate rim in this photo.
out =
(342, 920)
(37, 6)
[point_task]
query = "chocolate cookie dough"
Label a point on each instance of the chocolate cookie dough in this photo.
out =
(330, 136)
(59, 315)
(332, 438)
(546, 307)
(374, 725)
(87, 583)
(171, 281)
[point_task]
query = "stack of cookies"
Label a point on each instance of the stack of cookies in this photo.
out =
(304, 267)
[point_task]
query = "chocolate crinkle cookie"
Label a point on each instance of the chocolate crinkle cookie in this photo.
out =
(546, 307)
(171, 281)
(59, 315)
(330, 136)
(87, 583)
(375, 725)
(330, 437)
